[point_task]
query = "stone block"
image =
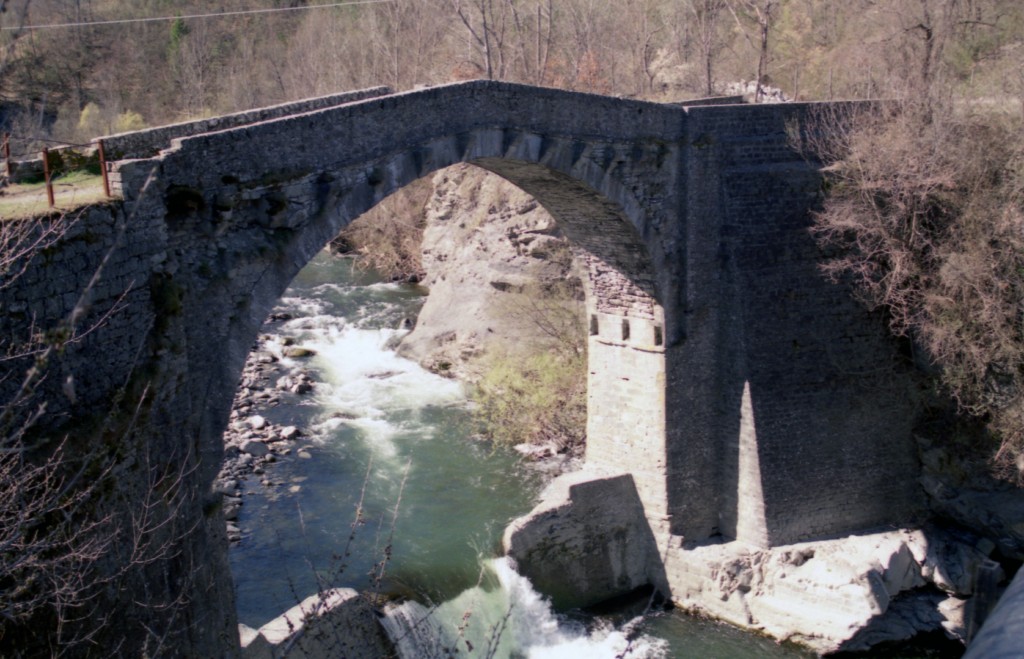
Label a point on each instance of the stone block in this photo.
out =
(586, 542)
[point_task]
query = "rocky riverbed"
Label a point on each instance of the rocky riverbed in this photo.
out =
(251, 442)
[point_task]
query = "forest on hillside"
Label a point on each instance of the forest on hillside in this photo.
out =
(105, 69)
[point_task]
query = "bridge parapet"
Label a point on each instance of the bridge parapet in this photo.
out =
(150, 141)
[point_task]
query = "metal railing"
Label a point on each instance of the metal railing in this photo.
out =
(52, 161)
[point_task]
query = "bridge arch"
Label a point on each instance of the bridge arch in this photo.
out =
(246, 209)
(626, 322)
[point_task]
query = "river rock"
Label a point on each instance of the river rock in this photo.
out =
(298, 352)
(300, 384)
(231, 509)
(831, 595)
(289, 433)
(537, 451)
(226, 487)
(334, 623)
(265, 358)
(383, 375)
(257, 422)
(255, 449)
(587, 541)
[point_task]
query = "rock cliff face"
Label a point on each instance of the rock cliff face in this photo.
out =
(489, 251)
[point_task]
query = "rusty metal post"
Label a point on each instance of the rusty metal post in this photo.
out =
(46, 174)
(103, 168)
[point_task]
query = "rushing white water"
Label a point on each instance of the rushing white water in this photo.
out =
(366, 385)
(503, 616)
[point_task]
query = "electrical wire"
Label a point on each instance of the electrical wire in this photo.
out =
(154, 19)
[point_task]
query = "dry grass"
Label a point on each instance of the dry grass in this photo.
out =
(70, 192)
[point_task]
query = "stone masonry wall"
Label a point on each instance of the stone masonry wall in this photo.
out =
(113, 393)
(262, 202)
(703, 237)
(148, 142)
(801, 371)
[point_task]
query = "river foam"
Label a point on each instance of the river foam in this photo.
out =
(503, 616)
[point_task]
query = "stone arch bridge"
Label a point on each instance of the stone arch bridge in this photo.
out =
(749, 398)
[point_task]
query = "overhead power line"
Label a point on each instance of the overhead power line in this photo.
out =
(154, 19)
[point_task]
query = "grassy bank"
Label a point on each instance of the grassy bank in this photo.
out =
(71, 191)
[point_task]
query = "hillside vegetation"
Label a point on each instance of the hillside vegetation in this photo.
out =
(100, 79)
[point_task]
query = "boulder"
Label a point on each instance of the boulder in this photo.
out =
(587, 541)
(832, 595)
(255, 449)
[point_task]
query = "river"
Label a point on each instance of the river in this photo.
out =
(388, 438)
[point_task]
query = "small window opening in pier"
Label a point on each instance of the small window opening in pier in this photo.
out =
(625, 329)
(658, 338)
(593, 325)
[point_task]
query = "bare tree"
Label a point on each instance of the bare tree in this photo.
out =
(706, 16)
(924, 216)
(486, 29)
(757, 16)
(540, 25)
(641, 24)
(192, 64)
(584, 42)
(13, 18)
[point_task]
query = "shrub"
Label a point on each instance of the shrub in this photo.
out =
(925, 214)
(128, 121)
(534, 399)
